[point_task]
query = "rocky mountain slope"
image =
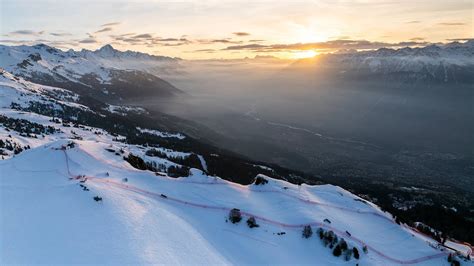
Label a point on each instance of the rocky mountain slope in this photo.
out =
(447, 63)
(106, 73)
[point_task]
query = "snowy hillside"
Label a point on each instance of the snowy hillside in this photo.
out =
(107, 71)
(28, 60)
(72, 193)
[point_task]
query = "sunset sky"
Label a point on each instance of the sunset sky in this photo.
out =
(234, 29)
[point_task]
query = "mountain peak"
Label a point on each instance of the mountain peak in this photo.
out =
(107, 47)
(106, 50)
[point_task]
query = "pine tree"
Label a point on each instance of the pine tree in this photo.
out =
(343, 244)
(251, 222)
(307, 231)
(235, 216)
(364, 248)
(337, 251)
(356, 253)
(348, 254)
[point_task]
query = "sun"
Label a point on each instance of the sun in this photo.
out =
(303, 54)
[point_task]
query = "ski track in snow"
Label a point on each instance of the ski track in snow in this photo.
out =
(168, 198)
(203, 163)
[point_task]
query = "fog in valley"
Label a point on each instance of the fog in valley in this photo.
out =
(299, 115)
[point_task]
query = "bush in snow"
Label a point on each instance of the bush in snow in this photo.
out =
(348, 254)
(235, 216)
(330, 239)
(97, 198)
(355, 251)
(343, 244)
(307, 231)
(251, 222)
(320, 233)
(337, 251)
(71, 145)
(364, 248)
(178, 171)
(260, 181)
(136, 162)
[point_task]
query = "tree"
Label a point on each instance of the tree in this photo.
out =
(136, 162)
(178, 171)
(307, 231)
(321, 233)
(235, 216)
(337, 251)
(260, 181)
(343, 244)
(364, 248)
(251, 222)
(356, 253)
(348, 254)
(97, 198)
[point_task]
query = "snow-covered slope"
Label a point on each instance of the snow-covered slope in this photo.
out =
(70, 197)
(28, 60)
(61, 223)
(106, 69)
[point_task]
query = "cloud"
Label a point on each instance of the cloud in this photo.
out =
(241, 33)
(147, 39)
(214, 41)
(142, 36)
(417, 39)
(57, 44)
(168, 40)
(224, 41)
(204, 51)
(451, 24)
(460, 39)
(246, 47)
(256, 40)
(104, 30)
(174, 44)
(26, 32)
(60, 34)
(413, 22)
(343, 37)
(88, 40)
(110, 24)
(329, 45)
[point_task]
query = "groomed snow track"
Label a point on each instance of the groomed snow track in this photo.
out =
(158, 196)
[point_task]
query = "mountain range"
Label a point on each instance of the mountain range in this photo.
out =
(447, 63)
(85, 179)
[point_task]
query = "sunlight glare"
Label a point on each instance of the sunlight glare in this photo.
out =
(304, 54)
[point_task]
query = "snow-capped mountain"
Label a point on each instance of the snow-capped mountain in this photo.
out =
(104, 73)
(452, 63)
(85, 185)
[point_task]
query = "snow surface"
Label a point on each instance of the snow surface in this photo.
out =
(60, 223)
(162, 134)
(47, 218)
(73, 65)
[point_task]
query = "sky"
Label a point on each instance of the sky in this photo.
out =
(234, 29)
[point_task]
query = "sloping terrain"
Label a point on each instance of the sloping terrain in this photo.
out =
(73, 193)
(451, 63)
(106, 73)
